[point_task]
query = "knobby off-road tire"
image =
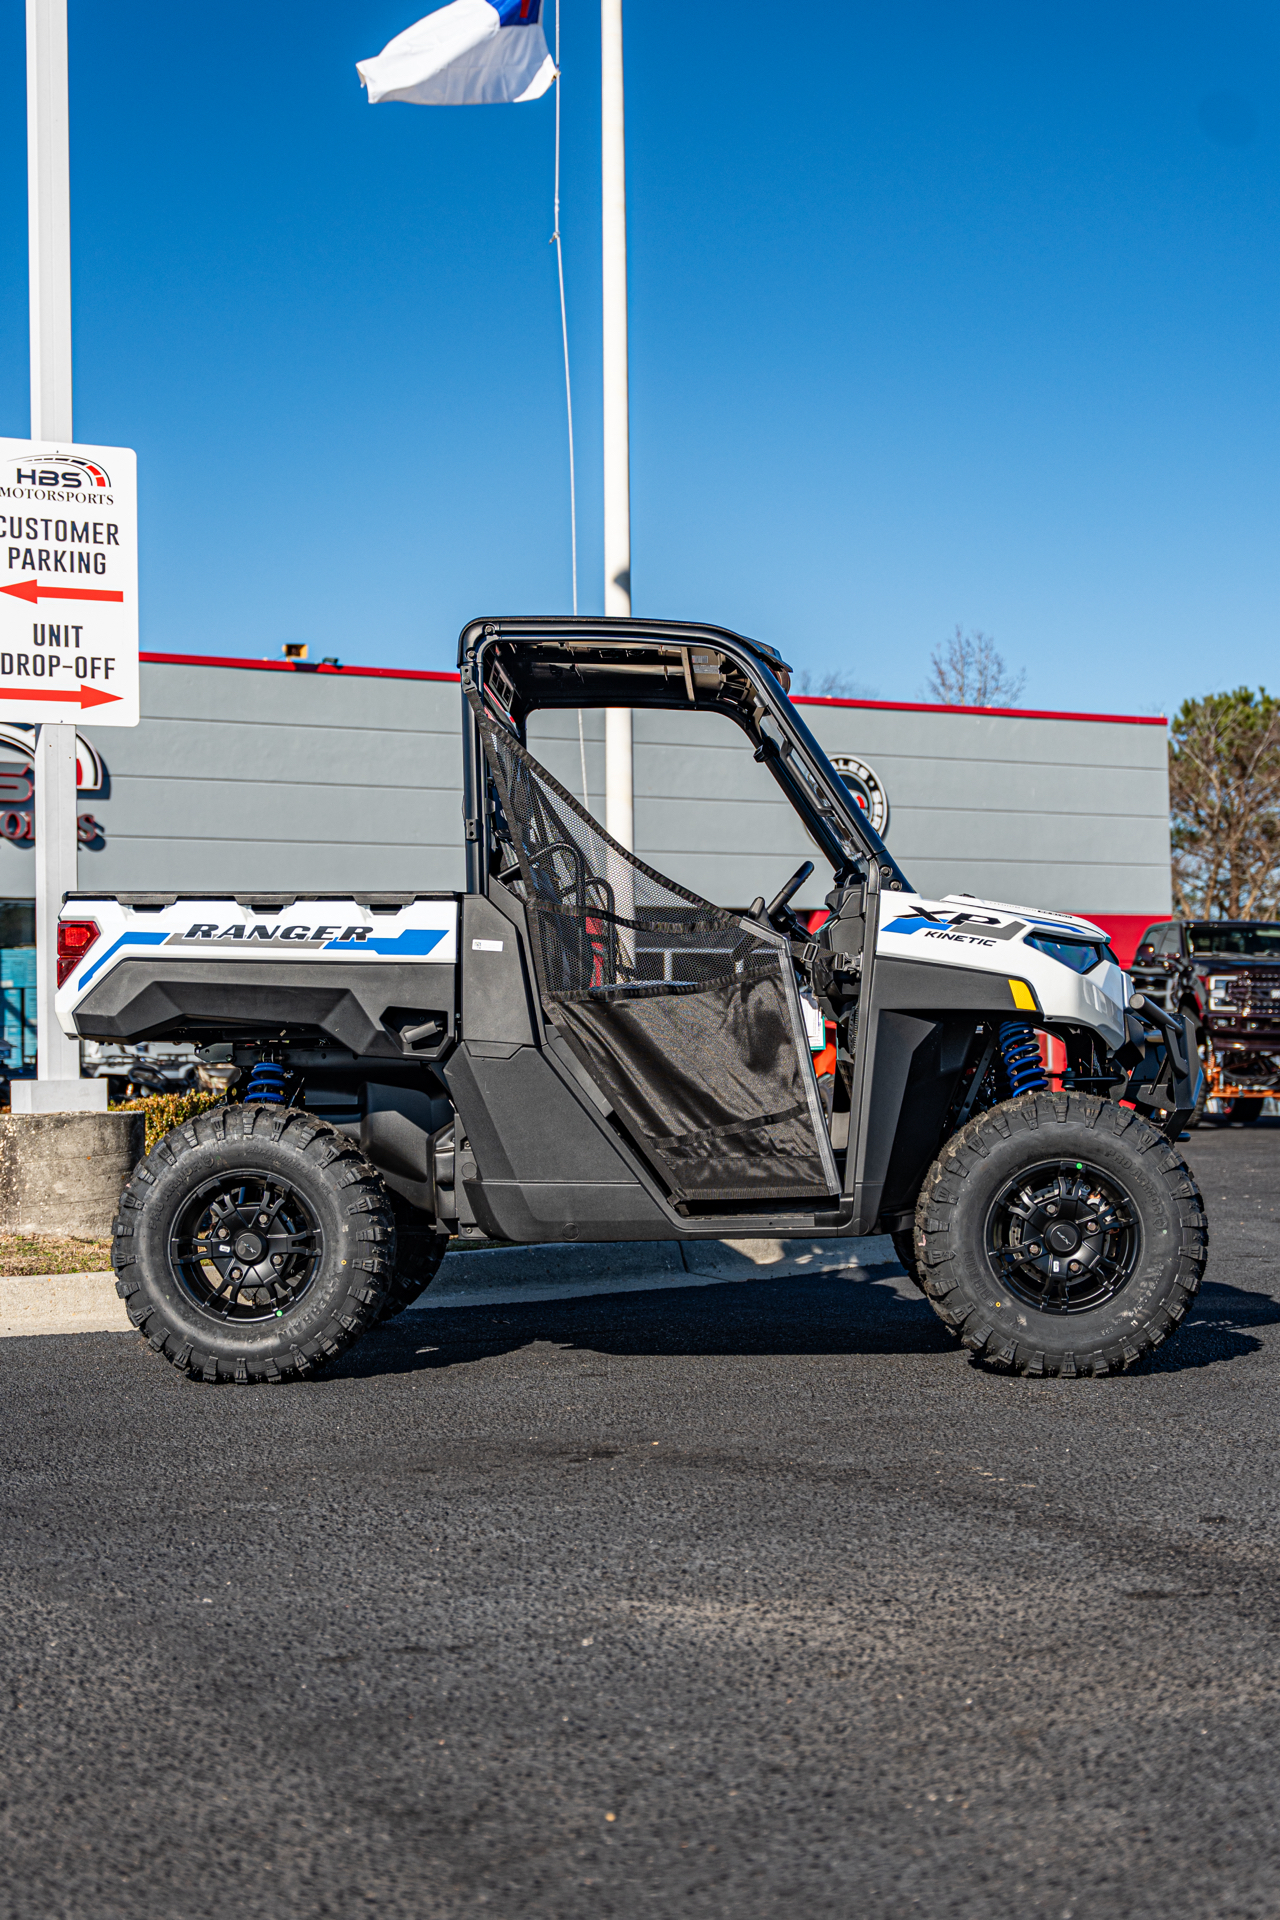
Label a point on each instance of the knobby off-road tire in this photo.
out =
(420, 1247)
(1038, 1165)
(904, 1245)
(253, 1243)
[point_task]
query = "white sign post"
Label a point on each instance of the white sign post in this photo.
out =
(68, 565)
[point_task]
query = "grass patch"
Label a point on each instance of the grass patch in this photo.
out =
(51, 1253)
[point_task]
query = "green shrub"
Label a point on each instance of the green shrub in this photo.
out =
(165, 1111)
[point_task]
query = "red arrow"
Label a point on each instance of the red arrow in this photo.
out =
(32, 590)
(82, 697)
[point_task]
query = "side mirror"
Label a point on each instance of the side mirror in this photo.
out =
(1145, 953)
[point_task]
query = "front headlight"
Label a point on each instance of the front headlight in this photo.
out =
(1082, 956)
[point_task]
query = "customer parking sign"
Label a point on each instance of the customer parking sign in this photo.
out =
(68, 583)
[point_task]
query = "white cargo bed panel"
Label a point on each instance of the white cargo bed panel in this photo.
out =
(324, 928)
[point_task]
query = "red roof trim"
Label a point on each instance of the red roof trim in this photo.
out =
(290, 666)
(1003, 713)
(801, 699)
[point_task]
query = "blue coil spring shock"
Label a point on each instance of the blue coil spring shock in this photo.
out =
(267, 1083)
(1021, 1055)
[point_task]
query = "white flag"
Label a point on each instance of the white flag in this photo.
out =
(473, 53)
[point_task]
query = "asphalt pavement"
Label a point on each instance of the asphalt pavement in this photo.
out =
(737, 1601)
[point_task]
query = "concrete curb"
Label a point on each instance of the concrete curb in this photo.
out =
(62, 1172)
(45, 1303)
(61, 1303)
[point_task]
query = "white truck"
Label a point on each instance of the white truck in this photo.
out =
(577, 1048)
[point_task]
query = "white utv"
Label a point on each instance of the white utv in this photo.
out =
(579, 1049)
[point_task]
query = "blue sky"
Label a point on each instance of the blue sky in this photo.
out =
(939, 314)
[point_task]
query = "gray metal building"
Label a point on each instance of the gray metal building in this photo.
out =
(257, 775)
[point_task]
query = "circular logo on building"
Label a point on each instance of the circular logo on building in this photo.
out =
(865, 787)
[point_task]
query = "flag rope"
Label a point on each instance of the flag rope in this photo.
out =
(568, 395)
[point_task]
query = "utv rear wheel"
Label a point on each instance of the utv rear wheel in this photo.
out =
(904, 1245)
(1246, 1108)
(1060, 1234)
(420, 1247)
(253, 1243)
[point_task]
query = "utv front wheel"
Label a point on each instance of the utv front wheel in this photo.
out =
(1060, 1234)
(253, 1243)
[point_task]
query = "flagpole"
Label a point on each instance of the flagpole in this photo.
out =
(619, 792)
(49, 254)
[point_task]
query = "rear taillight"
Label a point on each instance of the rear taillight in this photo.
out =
(75, 937)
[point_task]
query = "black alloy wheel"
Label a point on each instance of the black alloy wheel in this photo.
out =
(254, 1243)
(1059, 1233)
(245, 1246)
(1063, 1236)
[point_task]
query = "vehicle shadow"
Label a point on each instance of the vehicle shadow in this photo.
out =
(828, 1314)
(1216, 1329)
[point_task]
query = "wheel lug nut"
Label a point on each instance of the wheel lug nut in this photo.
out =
(1074, 1266)
(277, 1259)
(236, 1273)
(1034, 1248)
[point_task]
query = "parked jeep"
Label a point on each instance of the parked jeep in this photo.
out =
(1224, 975)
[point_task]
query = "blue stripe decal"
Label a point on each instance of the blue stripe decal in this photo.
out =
(125, 940)
(914, 922)
(414, 941)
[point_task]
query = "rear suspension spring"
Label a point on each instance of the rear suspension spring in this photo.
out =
(268, 1082)
(1020, 1052)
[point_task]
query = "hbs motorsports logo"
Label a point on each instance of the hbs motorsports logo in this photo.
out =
(67, 472)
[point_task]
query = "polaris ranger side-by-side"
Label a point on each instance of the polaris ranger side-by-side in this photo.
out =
(577, 1048)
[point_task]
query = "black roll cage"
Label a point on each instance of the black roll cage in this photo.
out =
(522, 665)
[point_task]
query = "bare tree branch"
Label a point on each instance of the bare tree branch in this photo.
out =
(834, 686)
(967, 671)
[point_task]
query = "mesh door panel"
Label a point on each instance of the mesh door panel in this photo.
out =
(677, 1010)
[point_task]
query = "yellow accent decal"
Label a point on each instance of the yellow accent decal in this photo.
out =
(1022, 995)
